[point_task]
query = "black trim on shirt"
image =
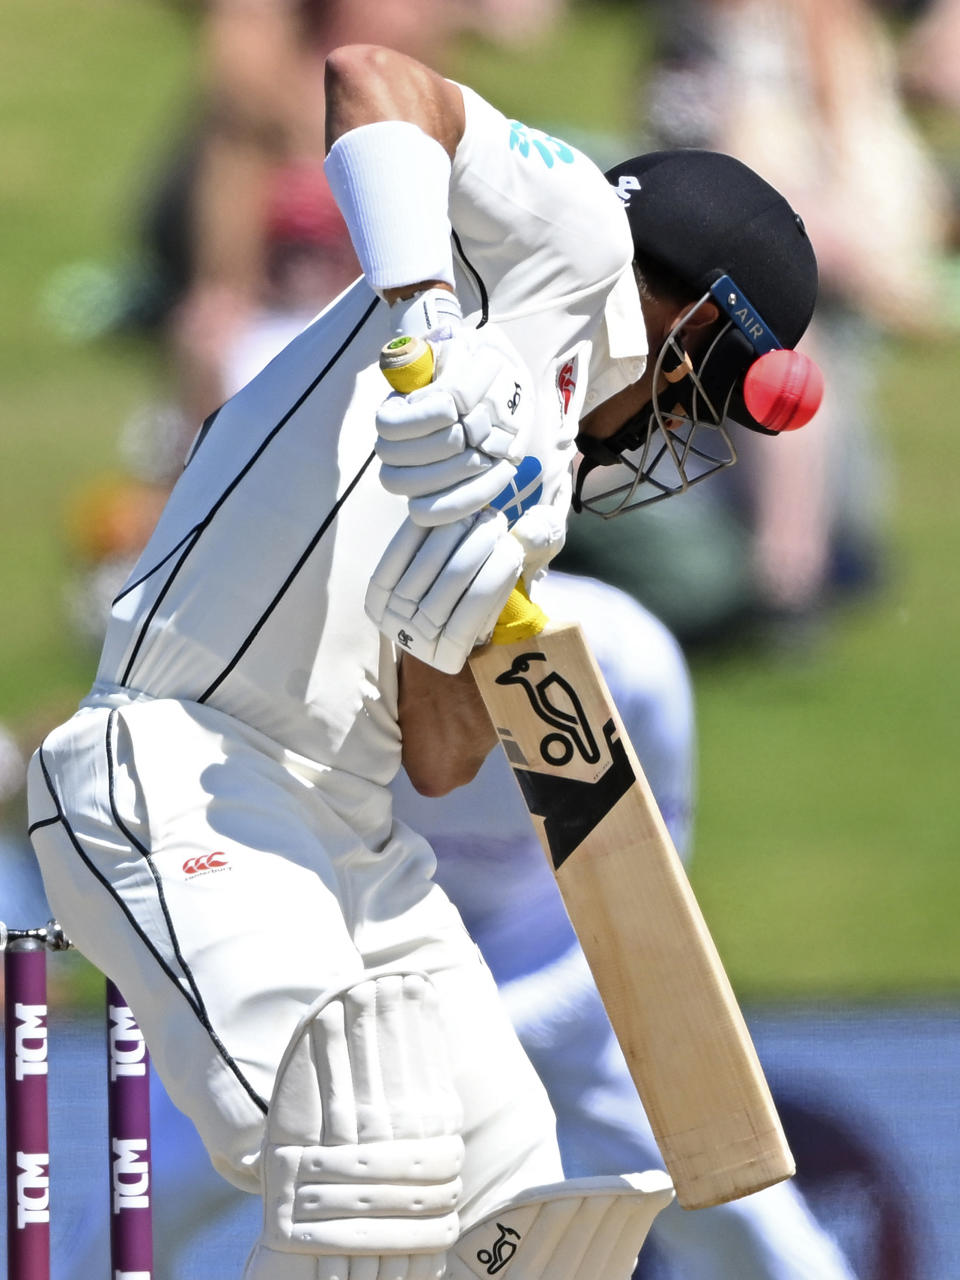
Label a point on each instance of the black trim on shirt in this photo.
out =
(151, 612)
(205, 426)
(241, 474)
(477, 280)
(42, 822)
(200, 1012)
(262, 620)
(159, 565)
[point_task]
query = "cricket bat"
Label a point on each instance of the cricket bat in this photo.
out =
(651, 954)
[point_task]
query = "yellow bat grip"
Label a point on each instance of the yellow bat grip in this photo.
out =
(407, 364)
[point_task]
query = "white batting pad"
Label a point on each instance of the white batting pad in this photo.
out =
(581, 1229)
(362, 1158)
(269, 1264)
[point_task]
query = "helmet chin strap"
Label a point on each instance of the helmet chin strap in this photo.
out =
(673, 364)
(607, 453)
(673, 441)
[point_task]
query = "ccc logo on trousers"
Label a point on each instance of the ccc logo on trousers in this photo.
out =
(205, 862)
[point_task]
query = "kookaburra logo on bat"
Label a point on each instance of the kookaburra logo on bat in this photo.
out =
(570, 807)
(555, 700)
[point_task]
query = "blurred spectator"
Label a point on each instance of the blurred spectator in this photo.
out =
(246, 189)
(244, 219)
(817, 105)
(931, 55)
(804, 91)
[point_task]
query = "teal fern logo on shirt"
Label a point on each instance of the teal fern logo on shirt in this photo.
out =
(549, 149)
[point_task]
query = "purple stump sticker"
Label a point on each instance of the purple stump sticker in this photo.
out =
(28, 1142)
(128, 1098)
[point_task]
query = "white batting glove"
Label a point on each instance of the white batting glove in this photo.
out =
(437, 593)
(452, 446)
(431, 313)
(541, 532)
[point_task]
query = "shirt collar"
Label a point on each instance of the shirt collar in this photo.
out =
(619, 354)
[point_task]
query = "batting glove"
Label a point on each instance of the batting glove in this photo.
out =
(437, 593)
(452, 446)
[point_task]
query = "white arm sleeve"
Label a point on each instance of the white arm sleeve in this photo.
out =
(391, 181)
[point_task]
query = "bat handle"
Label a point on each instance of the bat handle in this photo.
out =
(520, 618)
(408, 363)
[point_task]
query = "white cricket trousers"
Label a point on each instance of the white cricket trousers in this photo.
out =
(217, 886)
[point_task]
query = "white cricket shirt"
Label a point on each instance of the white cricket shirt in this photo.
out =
(249, 595)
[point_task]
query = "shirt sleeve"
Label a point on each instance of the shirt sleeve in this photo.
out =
(534, 216)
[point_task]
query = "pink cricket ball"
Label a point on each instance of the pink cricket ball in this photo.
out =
(783, 389)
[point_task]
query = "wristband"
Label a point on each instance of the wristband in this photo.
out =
(392, 183)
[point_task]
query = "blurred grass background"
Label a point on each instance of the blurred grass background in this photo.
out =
(826, 843)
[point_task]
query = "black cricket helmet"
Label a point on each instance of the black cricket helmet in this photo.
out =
(723, 234)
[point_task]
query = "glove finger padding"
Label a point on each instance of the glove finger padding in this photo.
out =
(472, 621)
(409, 566)
(463, 499)
(438, 592)
(420, 451)
(451, 447)
(441, 476)
(421, 413)
(406, 424)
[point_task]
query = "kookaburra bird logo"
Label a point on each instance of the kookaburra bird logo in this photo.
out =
(555, 700)
(570, 806)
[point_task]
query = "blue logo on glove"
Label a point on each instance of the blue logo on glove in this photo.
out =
(523, 491)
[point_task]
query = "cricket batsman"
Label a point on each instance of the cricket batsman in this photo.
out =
(214, 824)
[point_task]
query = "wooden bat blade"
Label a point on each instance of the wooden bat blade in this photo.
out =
(627, 894)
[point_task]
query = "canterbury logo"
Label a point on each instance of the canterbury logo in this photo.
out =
(499, 1254)
(514, 402)
(206, 862)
